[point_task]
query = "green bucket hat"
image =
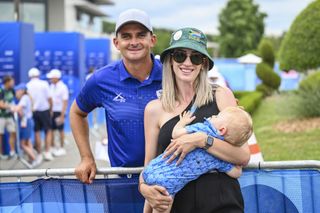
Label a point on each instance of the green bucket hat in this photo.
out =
(190, 38)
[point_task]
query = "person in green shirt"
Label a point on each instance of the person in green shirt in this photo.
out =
(7, 97)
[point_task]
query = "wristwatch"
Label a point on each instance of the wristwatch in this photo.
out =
(209, 142)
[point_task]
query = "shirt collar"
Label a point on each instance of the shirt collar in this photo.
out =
(156, 72)
(213, 129)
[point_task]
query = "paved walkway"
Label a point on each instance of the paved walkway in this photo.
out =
(68, 161)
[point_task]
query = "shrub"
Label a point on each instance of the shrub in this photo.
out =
(307, 97)
(240, 94)
(268, 76)
(250, 101)
(311, 81)
(264, 89)
(266, 52)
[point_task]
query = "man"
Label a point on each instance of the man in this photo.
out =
(40, 94)
(60, 96)
(7, 96)
(123, 88)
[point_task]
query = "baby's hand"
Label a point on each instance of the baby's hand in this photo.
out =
(186, 117)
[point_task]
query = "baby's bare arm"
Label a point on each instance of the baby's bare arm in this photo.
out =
(179, 129)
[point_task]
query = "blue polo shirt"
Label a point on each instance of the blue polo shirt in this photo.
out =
(124, 98)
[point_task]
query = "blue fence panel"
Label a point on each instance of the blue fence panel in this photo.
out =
(16, 50)
(281, 191)
(98, 53)
(242, 77)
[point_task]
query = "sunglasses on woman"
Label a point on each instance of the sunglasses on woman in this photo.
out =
(181, 56)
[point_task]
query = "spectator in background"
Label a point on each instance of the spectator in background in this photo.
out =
(7, 97)
(60, 96)
(24, 109)
(90, 72)
(215, 77)
(42, 103)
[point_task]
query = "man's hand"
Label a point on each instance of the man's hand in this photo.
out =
(86, 170)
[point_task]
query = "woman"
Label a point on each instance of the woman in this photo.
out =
(185, 84)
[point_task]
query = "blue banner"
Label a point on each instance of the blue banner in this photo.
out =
(98, 53)
(16, 50)
(63, 51)
(284, 191)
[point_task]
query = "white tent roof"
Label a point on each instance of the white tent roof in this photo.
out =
(249, 59)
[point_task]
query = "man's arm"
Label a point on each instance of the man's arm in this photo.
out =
(86, 170)
(63, 111)
(65, 99)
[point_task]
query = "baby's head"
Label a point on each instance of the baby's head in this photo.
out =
(234, 124)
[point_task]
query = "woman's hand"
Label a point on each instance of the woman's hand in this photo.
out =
(183, 145)
(157, 197)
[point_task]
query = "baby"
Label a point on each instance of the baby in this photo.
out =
(233, 125)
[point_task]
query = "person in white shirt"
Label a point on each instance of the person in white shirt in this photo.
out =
(42, 103)
(60, 96)
(215, 77)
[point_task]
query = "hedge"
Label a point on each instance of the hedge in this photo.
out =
(249, 100)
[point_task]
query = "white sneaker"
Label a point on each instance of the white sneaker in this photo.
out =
(59, 152)
(48, 156)
(12, 155)
(38, 159)
(3, 157)
(35, 163)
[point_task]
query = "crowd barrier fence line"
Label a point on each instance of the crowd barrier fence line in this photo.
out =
(54, 172)
(267, 187)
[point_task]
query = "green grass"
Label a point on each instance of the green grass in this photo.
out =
(276, 145)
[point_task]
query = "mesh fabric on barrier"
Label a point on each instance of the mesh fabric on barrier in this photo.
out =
(277, 191)
(65, 195)
(290, 191)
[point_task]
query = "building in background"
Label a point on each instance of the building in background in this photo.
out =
(84, 16)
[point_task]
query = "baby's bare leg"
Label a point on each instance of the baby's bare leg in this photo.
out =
(235, 172)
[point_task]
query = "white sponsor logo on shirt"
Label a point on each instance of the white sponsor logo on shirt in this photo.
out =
(159, 92)
(119, 98)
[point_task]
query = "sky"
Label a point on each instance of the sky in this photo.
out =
(203, 14)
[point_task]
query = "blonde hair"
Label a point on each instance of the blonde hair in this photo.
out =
(170, 91)
(238, 124)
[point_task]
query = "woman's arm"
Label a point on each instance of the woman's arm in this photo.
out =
(157, 196)
(222, 150)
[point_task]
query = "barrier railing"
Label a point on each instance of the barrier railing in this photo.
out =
(51, 172)
(278, 186)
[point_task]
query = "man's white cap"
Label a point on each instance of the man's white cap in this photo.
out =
(54, 73)
(133, 15)
(33, 72)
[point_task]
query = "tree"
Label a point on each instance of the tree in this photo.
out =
(300, 48)
(266, 52)
(108, 27)
(241, 27)
(163, 39)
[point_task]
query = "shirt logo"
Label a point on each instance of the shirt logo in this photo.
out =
(159, 93)
(119, 98)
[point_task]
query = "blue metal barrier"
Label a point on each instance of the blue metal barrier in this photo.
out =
(264, 191)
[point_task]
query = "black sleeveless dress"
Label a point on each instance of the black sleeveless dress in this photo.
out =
(211, 192)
